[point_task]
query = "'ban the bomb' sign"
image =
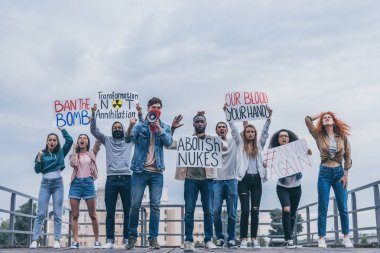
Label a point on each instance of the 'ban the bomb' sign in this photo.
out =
(195, 152)
(71, 112)
(116, 105)
(287, 160)
(246, 105)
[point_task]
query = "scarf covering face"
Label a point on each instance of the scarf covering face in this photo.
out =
(118, 134)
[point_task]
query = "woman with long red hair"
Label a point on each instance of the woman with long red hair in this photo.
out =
(331, 135)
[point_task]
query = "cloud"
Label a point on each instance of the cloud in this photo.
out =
(308, 56)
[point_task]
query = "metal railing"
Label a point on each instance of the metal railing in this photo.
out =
(144, 211)
(13, 214)
(353, 212)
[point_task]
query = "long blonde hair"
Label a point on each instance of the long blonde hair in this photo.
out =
(250, 147)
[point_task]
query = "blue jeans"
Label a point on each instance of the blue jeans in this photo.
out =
(115, 185)
(155, 182)
(49, 187)
(225, 190)
(192, 188)
(329, 177)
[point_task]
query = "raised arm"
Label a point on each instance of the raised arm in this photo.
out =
(96, 147)
(310, 125)
(165, 134)
(139, 112)
(265, 133)
(131, 134)
(234, 131)
(38, 163)
(93, 128)
(68, 142)
(74, 158)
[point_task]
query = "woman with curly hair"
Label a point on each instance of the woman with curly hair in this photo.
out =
(331, 136)
(288, 188)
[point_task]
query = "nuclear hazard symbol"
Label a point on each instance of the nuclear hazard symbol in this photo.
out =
(117, 104)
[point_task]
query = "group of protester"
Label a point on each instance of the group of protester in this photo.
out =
(135, 160)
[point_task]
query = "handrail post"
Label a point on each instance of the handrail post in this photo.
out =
(295, 234)
(142, 226)
(308, 225)
(182, 225)
(30, 225)
(44, 238)
(12, 219)
(377, 210)
(354, 218)
(336, 224)
(70, 228)
(145, 227)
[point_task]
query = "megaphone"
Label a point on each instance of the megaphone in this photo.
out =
(152, 116)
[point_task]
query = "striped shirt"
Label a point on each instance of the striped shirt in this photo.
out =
(84, 168)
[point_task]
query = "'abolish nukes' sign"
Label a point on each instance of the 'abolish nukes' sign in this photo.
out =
(195, 152)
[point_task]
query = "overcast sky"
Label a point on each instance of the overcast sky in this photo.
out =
(308, 56)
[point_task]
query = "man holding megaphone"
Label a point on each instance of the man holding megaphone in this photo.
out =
(149, 137)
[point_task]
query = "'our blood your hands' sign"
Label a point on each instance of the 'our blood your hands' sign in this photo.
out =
(195, 152)
(246, 105)
(71, 112)
(287, 160)
(116, 105)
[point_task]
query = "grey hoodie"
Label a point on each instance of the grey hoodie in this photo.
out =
(118, 152)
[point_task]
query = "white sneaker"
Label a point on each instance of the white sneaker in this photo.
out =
(243, 244)
(33, 245)
(210, 245)
(255, 244)
(347, 243)
(57, 244)
(188, 247)
(109, 245)
(322, 243)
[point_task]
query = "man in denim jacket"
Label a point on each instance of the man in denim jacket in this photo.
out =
(149, 137)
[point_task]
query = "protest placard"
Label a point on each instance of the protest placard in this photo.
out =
(246, 105)
(71, 112)
(116, 105)
(195, 152)
(287, 160)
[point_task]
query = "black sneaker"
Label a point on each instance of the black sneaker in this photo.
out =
(131, 242)
(153, 244)
(289, 245)
(74, 245)
(232, 244)
(219, 243)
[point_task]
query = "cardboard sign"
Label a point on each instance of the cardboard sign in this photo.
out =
(116, 105)
(287, 160)
(195, 152)
(71, 112)
(246, 105)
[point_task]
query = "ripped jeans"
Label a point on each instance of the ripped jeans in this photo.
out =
(249, 185)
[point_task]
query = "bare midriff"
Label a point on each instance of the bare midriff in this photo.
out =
(331, 163)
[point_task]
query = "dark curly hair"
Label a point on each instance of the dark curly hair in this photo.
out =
(274, 143)
(274, 140)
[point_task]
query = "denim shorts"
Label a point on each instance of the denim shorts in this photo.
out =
(82, 188)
